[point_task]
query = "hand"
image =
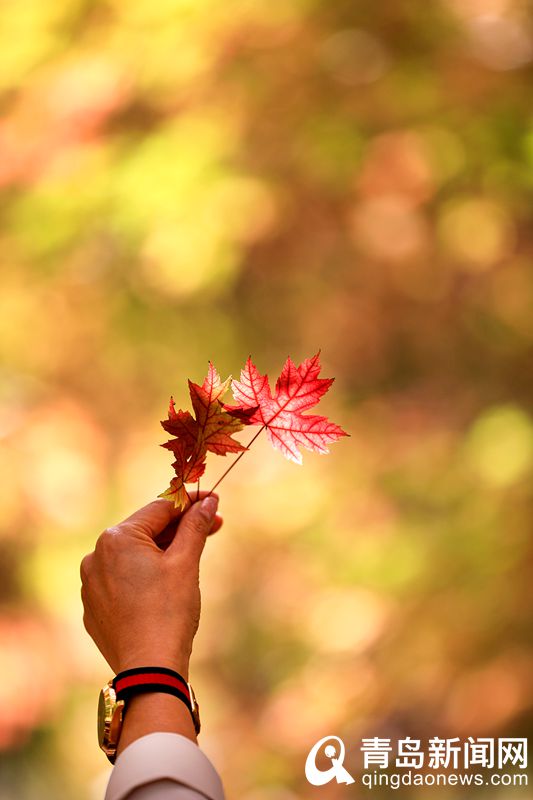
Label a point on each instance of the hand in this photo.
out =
(142, 602)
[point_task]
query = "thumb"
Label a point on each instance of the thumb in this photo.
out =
(193, 528)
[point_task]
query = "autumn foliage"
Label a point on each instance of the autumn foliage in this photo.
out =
(214, 422)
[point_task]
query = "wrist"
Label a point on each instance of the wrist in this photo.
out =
(179, 664)
(154, 713)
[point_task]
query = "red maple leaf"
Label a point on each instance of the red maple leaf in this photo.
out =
(188, 470)
(181, 425)
(216, 425)
(297, 389)
(211, 429)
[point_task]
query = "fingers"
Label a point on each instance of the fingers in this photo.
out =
(153, 518)
(217, 524)
(150, 519)
(167, 535)
(202, 495)
(193, 528)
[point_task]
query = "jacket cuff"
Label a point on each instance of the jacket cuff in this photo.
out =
(163, 755)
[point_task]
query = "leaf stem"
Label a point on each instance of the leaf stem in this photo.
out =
(250, 443)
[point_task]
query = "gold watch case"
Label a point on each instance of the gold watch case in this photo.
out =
(195, 709)
(110, 717)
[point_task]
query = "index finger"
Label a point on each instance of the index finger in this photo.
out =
(153, 518)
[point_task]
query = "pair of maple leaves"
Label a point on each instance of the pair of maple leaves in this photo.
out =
(214, 423)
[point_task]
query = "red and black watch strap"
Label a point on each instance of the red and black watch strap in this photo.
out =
(141, 680)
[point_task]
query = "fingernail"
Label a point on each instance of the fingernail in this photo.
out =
(209, 506)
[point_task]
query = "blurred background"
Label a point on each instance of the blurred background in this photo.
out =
(185, 180)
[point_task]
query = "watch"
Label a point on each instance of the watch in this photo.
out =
(114, 697)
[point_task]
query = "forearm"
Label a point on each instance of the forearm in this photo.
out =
(155, 712)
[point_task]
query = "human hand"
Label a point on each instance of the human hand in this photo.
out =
(140, 586)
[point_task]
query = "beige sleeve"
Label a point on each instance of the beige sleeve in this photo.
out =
(164, 766)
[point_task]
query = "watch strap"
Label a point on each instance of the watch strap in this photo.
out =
(141, 680)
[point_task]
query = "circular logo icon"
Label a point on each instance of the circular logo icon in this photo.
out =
(334, 750)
